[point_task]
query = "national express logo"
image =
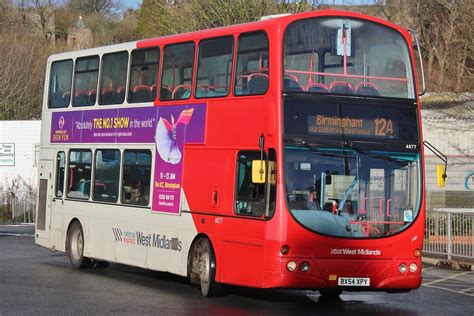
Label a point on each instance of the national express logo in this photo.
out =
(147, 240)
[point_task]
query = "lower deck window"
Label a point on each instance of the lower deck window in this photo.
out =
(79, 174)
(136, 177)
(107, 170)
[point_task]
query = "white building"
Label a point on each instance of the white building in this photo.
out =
(19, 151)
(451, 130)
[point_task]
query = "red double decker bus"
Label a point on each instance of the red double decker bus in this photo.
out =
(284, 153)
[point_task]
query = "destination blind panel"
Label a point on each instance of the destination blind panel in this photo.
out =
(377, 122)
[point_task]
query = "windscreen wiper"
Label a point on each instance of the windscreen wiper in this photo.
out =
(318, 151)
(372, 155)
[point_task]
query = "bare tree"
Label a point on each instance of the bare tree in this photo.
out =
(447, 37)
(102, 7)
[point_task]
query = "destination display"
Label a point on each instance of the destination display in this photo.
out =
(354, 126)
(376, 121)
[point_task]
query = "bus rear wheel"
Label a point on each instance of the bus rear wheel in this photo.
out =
(75, 247)
(204, 266)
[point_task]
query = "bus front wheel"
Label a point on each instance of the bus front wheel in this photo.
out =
(204, 265)
(75, 247)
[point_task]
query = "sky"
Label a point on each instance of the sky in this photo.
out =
(134, 4)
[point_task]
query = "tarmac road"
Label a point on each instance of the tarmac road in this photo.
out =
(34, 280)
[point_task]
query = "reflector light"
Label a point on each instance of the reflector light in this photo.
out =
(417, 253)
(285, 249)
(291, 266)
(413, 267)
(402, 268)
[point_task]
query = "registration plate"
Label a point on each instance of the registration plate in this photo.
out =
(353, 281)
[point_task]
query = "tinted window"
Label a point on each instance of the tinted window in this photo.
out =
(113, 78)
(60, 168)
(79, 174)
(178, 61)
(85, 81)
(214, 67)
(251, 75)
(136, 177)
(143, 75)
(106, 178)
(255, 199)
(60, 84)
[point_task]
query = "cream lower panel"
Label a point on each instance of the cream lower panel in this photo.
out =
(141, 237)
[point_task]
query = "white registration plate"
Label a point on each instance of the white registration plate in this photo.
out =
(353, 281)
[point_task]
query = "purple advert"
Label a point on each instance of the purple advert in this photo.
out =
(169, 127)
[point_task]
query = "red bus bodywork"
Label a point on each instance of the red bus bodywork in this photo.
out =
(248, 250)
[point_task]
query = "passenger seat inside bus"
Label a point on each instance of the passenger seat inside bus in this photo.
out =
(257, 83)
(317, 87)
(341, 87)
(165, 93)
(290, 83)
(108, 96)
(140, 93)
(181, 92)
(366, 88)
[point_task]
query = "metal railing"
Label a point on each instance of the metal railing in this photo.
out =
(449, 233)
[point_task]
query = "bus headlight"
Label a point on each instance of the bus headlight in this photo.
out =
(413, 267)
(291, 266)
(402, 268)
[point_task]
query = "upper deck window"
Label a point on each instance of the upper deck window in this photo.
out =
(143, 75)
(251, 76)
(178, 63)
(113, 78)
(346, 56)
(214, 67)
(85, 81)
(60, 84)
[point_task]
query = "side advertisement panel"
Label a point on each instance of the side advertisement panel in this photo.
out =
(168, 127)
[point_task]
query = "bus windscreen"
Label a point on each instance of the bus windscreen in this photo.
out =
(348, 57)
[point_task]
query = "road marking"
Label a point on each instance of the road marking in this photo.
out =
(446, 289)
(468, 289)
(453, 276)
(18, 225)
(16, 235)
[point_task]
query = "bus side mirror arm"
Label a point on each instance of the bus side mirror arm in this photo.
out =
(443, 158)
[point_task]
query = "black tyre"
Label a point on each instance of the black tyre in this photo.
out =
(99, 264)
(204, 266)
(75, 247)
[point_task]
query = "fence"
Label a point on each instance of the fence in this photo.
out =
(18, 207)
(449, 234)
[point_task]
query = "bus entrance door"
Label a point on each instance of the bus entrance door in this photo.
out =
(43, 212)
